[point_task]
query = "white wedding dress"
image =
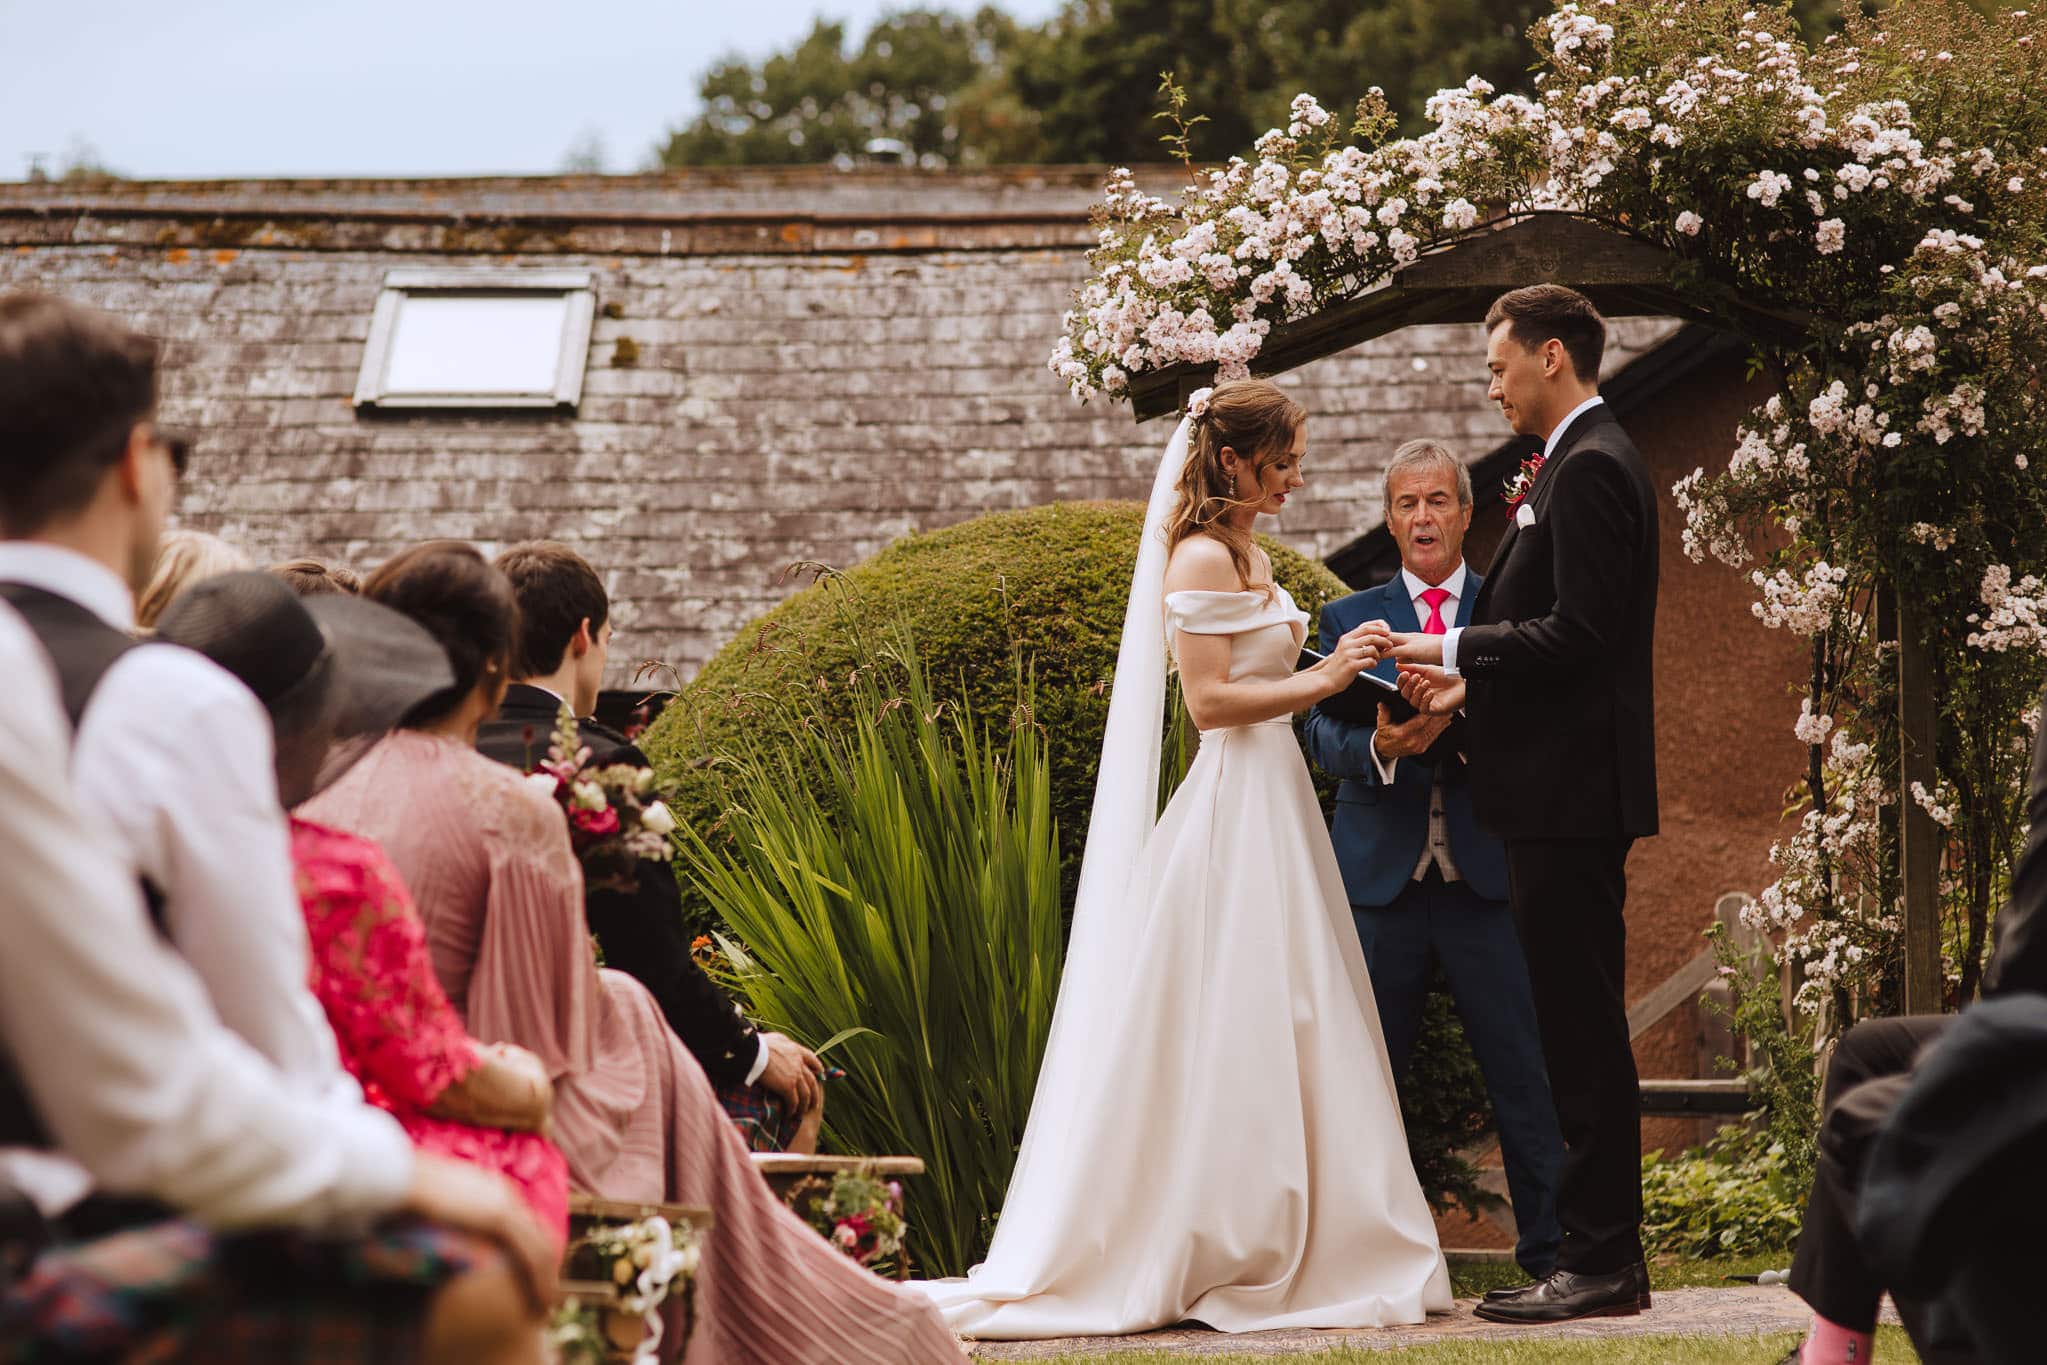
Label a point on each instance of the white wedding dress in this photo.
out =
(1215, 1134)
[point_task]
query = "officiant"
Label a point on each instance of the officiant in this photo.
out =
(1427, 886)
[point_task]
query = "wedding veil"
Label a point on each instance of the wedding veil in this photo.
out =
(1105, 924)
(1127, 782)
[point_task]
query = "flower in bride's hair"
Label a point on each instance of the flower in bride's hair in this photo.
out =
(1197, 402)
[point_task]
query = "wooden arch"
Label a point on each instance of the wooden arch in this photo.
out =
(1625, 276)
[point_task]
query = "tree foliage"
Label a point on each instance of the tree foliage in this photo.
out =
(933, 87)
(917, 88)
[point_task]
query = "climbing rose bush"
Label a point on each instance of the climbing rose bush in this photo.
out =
(1870, 213)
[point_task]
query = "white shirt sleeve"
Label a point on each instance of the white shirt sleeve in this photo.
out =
(112, 1033)
(174, 756)
(760, 1060)
(1384, 765)
(1450, 638)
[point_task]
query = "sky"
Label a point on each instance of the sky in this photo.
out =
(217, 88)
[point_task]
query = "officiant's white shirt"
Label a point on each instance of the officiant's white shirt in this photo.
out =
(1549, 448)
(1436, 847)
(1454, 585)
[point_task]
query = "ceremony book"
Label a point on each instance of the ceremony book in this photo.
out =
(1360, 702)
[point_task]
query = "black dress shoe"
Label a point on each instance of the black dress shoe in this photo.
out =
(1516, 1291)
(1565, 1297)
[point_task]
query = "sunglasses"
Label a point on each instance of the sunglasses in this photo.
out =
(179, 448)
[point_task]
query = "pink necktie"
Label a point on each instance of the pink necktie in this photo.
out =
(1435, 597)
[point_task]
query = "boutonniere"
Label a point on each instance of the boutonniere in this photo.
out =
(1518, 486)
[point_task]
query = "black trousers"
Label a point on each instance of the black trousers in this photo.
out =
(1568, 896)
(1866, 1077)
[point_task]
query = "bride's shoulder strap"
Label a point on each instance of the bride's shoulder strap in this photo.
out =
(1228, 613)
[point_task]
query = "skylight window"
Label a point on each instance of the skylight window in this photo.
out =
(478, 339)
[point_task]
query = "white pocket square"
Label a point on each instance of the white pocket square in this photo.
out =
(1524, 516)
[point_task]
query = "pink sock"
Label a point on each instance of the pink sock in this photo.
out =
(1828, 1343)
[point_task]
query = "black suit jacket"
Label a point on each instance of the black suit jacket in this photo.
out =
(1559, 657)
(641, 931)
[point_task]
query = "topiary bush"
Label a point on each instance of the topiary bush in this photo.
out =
(1047, 584)
(1043, 590)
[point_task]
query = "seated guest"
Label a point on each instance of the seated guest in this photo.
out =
(500, 892)
(221, 1229)
(315, 577)
(185, 558)
(171, 754)
(1872, 1071)
(335, 669)
(1427, 886)
(564, 640)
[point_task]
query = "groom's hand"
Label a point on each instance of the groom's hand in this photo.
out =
(1410, 738)
(1431, 691)
(1414, 648)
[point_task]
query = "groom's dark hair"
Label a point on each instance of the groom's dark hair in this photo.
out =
(557, 591)
(1544, 311)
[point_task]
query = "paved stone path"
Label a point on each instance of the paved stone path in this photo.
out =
(1746, 1310)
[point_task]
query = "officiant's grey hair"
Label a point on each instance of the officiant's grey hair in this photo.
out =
(1414, 455)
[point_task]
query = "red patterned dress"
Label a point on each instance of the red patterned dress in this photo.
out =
(399, 1036)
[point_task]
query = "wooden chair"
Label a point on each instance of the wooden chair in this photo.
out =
(622, 1330)
(799, 1179)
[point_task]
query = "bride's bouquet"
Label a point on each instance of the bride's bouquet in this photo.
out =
(615, 821)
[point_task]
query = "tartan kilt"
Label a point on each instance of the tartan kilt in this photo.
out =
(765, 1122)
(176, 1291)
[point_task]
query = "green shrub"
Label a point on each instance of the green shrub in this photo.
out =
(1734, 1196)
(894, 884)
(1050, 582)
(1047, 586)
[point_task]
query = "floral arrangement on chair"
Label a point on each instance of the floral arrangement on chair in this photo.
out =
(650, 1262)
(859, 1215)
(615, 821)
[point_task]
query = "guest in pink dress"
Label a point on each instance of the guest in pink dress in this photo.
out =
(400, 1038)
(500, 893)
(366, 958)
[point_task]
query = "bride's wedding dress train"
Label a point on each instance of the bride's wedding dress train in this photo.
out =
(1215, 1134)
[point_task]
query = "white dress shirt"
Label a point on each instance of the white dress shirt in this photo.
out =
(174, 759)
(1549, 448)
(113, 1035)
(1436, 848)
(760, 1057)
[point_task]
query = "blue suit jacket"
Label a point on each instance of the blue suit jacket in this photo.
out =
(1379, 831)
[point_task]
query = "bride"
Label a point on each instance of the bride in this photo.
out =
(1215, 1134)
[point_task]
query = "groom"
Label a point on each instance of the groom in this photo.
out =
(1554, 674)
(1427, 886)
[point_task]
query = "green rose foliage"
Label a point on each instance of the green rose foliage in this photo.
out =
(1044, 588)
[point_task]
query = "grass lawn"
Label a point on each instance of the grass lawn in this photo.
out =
(1891, 1348)
(1471, 1279)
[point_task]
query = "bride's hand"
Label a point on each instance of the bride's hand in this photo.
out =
(1356, 651)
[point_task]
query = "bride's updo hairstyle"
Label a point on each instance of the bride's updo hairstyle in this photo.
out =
(1258, 421)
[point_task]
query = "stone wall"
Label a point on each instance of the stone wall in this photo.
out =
(786, 404)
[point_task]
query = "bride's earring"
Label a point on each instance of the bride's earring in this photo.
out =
(1233, 485)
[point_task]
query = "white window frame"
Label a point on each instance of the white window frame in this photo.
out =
(573, 285)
